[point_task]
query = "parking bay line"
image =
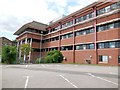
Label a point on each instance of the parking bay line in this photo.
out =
(26, 82)
(102, 79)
(68, 81)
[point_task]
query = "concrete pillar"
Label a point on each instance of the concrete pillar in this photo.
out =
(25, 55)
(30, 51)
(20, 50)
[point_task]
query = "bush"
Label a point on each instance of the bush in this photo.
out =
(9, 54)
(54, 57)
(39, 60)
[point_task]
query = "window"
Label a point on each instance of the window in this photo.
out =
(107, 9)
(108, 26)
(111, 25)
(117, 24)
(91, 46)
(103, 58)
(115, 44)
(118, 59)
(106, 45)
(79, 47)
(64, 48)
(84, 46)
(113, 6)
(54, 38)
(78, 33)
(36, 50)
(112, 44)
(101, 45)
(67, 36)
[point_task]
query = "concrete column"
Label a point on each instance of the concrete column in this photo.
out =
(20, 50)
(30, 51)
(95, 36)
(25, 55)
(17, 55)
(74, 40)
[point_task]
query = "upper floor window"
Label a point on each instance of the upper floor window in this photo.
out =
(67, 36)
(67, 48)
(54, 38)
(84, 46)
(67, 24)
(109, 8)
(84, 32)
(112, 44)
(108, 26)
(85, 17)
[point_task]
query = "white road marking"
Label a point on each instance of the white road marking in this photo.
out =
(91, 74)
(7, 66)
(102, 79)
(113, 73)
(43, 66)
(26, 83)
(75, 65)
(68, 81)
(26, 66)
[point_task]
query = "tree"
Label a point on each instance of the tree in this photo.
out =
(25, 49)
(54, 57)
(9, 54)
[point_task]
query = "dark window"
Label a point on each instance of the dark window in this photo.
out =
(106, 45)
(67, 48)
(101, 45)
(109, 8)
(84, 46)
(67, 36)
(117, 24)
(92, 46)
(79, 47)
(36, 50)
(103, 58)
(108, 26)
(113, 44)
(118, 59)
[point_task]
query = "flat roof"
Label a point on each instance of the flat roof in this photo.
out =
(33, 24)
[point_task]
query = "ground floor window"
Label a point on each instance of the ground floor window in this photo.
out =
(103, 58)
(118, 59)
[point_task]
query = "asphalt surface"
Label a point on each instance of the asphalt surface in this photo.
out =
(58, 76)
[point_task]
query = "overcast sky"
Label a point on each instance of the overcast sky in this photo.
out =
(15, 13)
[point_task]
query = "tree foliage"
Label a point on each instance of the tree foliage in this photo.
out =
(9, 54)
(25, 49)
(54, 57)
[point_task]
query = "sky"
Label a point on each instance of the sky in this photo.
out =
(15, 13)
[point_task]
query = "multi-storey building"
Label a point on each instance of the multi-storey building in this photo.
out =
(5, 42)
(89, 35)
(31, 33)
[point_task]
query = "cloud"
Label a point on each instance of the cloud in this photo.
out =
(15, 13)
(81, 4)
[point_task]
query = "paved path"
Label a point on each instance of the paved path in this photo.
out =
(59, 76)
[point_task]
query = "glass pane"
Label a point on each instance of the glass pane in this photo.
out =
(112, 44)
(105, 58)
(107, 9)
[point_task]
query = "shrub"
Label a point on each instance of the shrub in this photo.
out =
(54, 57)
(39, 60)
(9, 54)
